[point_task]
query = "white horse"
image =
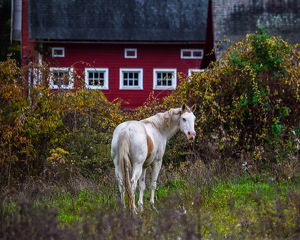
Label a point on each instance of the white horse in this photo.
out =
(141, 144)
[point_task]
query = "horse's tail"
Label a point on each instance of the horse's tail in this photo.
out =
(124, 164)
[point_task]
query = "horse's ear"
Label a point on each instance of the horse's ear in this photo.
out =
(183, 107)
(193, 108)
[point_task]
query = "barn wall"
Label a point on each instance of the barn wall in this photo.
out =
(27, 49)
(111, 56)
(233, 19)
(149, 56)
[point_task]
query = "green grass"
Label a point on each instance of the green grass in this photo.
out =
(223, 205)
(88, 201)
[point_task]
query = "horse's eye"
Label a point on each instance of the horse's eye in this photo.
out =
(184, 119)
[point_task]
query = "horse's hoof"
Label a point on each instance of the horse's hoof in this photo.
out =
(134, 210)
(153, 208)
(141, 208)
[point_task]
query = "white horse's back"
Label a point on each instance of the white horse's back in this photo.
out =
(138, 141)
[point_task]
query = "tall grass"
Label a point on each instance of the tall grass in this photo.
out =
(187, 209)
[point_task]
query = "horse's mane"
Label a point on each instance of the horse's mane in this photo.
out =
(162, 120)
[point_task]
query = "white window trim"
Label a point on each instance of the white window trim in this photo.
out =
(71, 80)
(58, 55)
(86, 75)
(192, 51)
(36, 78)
(195, 71)
(122, 87)
(174, 78)
(130, 49)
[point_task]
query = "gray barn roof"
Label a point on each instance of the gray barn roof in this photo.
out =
(118, 20)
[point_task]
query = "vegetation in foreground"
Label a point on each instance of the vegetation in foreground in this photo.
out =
(188, 208)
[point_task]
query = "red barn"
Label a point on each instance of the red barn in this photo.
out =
(126, 48)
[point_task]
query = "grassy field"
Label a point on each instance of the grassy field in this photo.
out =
(237, 208)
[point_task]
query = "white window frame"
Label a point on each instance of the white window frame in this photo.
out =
(71, 80)
(58, 55)
(139, 87)
(130, 49)
(191, 71)
(163, 70)
(192, 52)
(36, 78)
(86, 74)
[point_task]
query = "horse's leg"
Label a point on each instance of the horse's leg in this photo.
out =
(119, 177)
(142, 188)
(122, 194)
(137, 170)
(156, 165)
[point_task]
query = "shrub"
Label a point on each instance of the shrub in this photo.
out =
(248, 99)
(35, 121)
(27, 125)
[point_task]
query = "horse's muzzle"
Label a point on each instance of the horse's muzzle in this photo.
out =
(191, 135)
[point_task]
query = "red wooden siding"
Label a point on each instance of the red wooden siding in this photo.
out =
(111, 56)
(26, 47)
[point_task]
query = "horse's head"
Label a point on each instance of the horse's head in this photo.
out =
(187, 121)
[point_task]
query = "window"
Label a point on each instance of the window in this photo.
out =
(192, 71)
(192, 53)
(165, 79)
(58, 52)
(61, 78)
(131, 79)
(130, 53)
(35, 77)
(96, 78)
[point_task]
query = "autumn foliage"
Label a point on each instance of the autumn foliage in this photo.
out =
(36, 122)
(247, 107)
(247, 101)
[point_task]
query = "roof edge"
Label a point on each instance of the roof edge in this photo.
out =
(114, 42)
